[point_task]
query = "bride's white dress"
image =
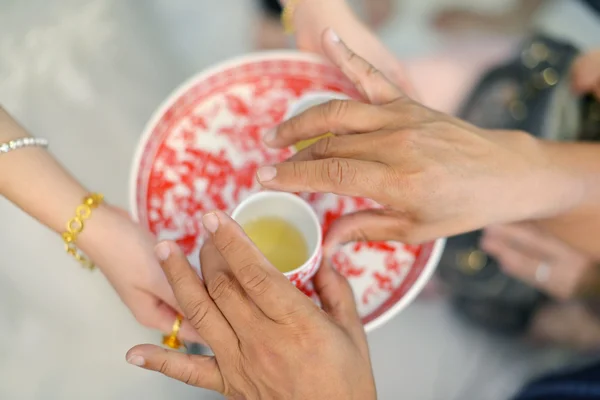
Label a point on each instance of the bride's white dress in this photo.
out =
(87, 75)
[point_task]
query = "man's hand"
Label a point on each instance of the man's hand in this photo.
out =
(434, 174)
(270, 341)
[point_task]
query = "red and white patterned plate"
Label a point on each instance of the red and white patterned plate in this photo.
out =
(201, 150)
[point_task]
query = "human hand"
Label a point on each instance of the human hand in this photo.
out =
(434, 174)
(539, 259)
(270, 341)
(586, 74)
(124, 253)
(313, 17)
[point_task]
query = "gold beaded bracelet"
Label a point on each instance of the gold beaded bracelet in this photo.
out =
(287, 16)
(75, 227)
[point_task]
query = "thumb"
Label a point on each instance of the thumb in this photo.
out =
(200, 371)
(372, 84)
(364, 226)
(336, 295)
(338, 302)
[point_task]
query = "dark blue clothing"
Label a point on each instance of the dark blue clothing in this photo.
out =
(593, 4)
(575, 384)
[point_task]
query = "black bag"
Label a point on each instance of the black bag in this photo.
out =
(531, 93)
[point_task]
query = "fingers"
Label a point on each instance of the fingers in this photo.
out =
(556, 269)
(362, 226)
(338, 301)
(339, 117)
(194, 299)
(524, 266)
(165, 317)
(372, 84)
(360, 147)
(166, 312)
(516, 262)
(225, 290)
(263, 283)
(341, 176)
(200, 371)
(527, 236)
(586, 74)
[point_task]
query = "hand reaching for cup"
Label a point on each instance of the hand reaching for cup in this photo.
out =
(540, 259)
(270, 341)
(435, 175)
(312, 17)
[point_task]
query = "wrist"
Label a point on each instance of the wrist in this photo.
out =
(536, 184)
(579, 166)
(558, 188)
(100, 232)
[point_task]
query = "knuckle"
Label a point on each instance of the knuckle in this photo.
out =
(339, 172)
(220, 286)
(301, 173)
(255, 279)
(351, 57)
(372, 72)
(186, 375)
(177, 281)
(198, 312)
(408, 140)
(190, 375)
(165, 367)
(228, 245)
(291, 127)
(322, 148)
(335, 110)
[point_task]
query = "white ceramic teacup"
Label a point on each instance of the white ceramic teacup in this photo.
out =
(296, 212)
(307, 101)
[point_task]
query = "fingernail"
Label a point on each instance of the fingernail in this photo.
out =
(211, 222)
(162, 251)
(136, 360)
(333, 36)
(266, 174)
(270, 135)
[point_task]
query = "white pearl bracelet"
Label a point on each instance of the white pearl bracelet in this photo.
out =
(23, 142)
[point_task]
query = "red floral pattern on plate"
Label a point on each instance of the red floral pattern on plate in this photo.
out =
(204, 146)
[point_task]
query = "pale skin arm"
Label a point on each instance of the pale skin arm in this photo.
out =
(35, 182)
(580, 226)
(39, 185)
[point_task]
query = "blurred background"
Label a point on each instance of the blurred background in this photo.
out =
(87, 75)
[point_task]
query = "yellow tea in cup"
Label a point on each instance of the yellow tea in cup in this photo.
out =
(286, 229)
(301, 145)
(280, 241)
